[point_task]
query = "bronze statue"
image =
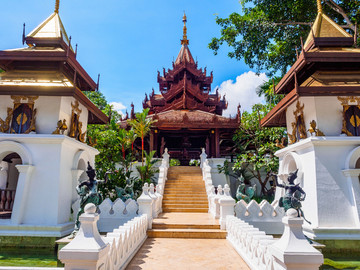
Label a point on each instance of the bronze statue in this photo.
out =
(88, 192)
(294, 195)
(127, 192)
(245, 192)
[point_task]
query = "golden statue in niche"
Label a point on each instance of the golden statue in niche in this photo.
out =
(5, 124)
(61, 127)
(298, 126)
(76, 125)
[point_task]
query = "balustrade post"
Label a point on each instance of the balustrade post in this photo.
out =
(87, 251)
(155, 200)
(227, 206)
(216, 201)
(145, 204)
(293, 251)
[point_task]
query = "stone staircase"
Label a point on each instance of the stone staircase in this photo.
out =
(185, 191)
(185, 208)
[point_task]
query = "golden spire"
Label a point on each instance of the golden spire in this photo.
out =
(319, 7)
(184, 41)
(57, 4)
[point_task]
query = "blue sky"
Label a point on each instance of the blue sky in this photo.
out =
(129, 41)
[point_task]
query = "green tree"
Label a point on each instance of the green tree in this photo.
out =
(257, 145)
(267, 90)
(113, 145)
(268, 32)
(142, 126)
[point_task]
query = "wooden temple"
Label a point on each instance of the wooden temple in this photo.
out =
(188, 116)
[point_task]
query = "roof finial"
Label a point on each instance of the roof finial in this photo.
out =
(57, 5)
(319, 7)
(184, 41)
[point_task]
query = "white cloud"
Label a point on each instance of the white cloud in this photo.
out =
(242, 91)
(119, 107)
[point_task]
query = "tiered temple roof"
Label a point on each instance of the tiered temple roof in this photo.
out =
(185, 87)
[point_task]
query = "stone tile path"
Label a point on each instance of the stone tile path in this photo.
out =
(186, 254)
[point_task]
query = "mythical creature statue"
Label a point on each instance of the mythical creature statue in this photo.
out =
(127, 192)
(294, 195)
(88, 192)
(245, 192)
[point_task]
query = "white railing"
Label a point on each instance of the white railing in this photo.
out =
(265, 216)
(88, 250)
(250, 243)
(112, 214)
(262, 252)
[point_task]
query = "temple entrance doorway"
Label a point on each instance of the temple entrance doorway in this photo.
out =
(9, 176)
(183, 145)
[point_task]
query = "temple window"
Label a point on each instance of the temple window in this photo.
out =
(351, 116)
(23, 115)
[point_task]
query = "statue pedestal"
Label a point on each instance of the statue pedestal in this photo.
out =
(293, 251)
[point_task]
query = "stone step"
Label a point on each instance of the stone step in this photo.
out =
(185, 210)
(195, 178)
(156, 225)
(182, 205)
(191, 190)
(185, 197)
(187, 233)
(186, 168)
(184, 182)
(187, 201)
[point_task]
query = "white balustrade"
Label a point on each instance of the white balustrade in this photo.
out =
(265, 216)
(112, 214)
(88, 250)
(261, 252)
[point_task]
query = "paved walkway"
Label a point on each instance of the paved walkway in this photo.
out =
(178, 252)
(187, 254)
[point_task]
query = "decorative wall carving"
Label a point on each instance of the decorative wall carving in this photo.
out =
(298, 127)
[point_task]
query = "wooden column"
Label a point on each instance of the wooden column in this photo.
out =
(212, 144)
(152, 140)
(217, 143)
(156, 136)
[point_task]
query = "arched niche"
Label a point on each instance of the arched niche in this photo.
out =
(8, 147)
(24, 167)
(79, 166)
(290, 163)
(352, 174)
(353, 159)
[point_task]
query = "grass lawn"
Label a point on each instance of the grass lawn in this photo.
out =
(24, 257)
(341, 262)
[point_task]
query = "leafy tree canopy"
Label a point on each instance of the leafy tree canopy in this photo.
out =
(267, 32)
(257, 146)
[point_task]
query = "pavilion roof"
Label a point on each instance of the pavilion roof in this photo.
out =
(328, 65)
(50, 29)
(324, 27)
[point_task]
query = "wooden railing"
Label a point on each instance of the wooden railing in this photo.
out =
(7, 197)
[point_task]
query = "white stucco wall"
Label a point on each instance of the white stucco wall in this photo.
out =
(330, 202)
(50, 187)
